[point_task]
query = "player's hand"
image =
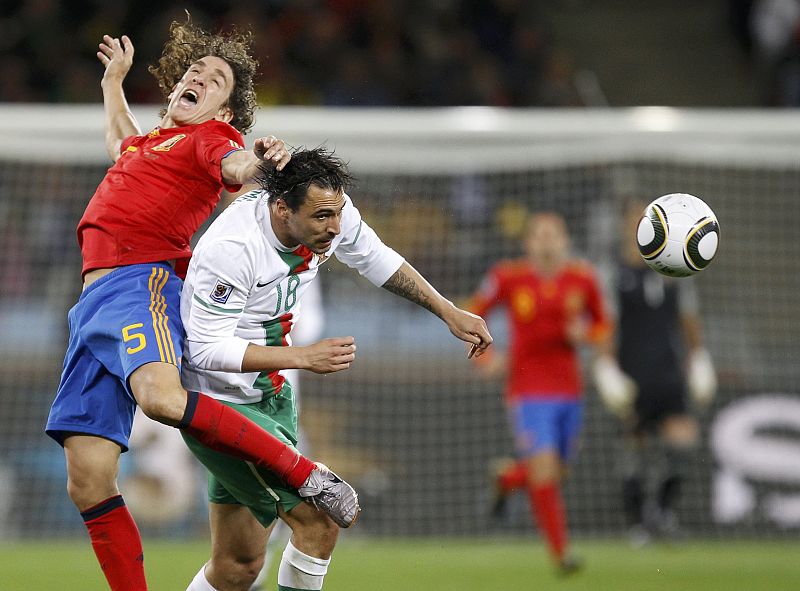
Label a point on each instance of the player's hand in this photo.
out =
(116, 56)
(329, 355)
(273, 151)
(577, 330)
(471, 329)
(616, 389)
(701, 377)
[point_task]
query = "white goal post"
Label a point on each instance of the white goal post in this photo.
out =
(463, 139)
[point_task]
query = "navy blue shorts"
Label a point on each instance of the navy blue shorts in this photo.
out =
(547, 425)
(121, 321)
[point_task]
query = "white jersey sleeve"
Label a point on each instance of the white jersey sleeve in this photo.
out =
(362, 249)
(212, 305)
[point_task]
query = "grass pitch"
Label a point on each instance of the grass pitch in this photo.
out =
(443, 565)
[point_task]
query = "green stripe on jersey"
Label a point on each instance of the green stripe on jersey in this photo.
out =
(282, 588)
(292, 260)
(264, 383)
(273, 332)
(273, 337)
(216, 308)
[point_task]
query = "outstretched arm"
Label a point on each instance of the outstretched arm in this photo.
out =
(242, 167)
(468, 327)
(326, 356)
(119, 121)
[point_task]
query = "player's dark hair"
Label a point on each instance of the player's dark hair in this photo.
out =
(188, 43)
(307, 167)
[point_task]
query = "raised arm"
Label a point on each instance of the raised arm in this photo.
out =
(119, 121)
(242, 167)
(408, 283)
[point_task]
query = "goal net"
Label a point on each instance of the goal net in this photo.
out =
(411, 424)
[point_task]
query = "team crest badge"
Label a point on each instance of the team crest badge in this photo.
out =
(221, 292)
(167, 145)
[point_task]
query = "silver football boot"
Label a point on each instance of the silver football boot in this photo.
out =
(331, 495)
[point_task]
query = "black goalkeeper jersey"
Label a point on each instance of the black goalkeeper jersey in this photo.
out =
(650, 343)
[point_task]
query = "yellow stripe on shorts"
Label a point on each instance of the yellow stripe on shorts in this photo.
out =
(158, 278)
(168, 346)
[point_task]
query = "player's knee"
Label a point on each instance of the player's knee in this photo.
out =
(92, 466)
(86, 491)
(317, 538)
(160, 396)
(248, 570)
(238, 572)
(328, 533)
(682, 432)
(158, 409)
(544, 468)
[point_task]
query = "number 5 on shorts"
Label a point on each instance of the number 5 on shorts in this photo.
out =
(128, 336)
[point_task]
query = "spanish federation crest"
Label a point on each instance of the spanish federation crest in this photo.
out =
(167, 144)
(221, 292)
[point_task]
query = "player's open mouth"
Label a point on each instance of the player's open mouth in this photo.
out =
(189, 98)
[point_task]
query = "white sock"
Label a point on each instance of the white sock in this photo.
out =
(301, 571)
(199, 582)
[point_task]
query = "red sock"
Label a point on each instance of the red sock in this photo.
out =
(547, 506)
(514, 477)
(117, 545)
(222, 429)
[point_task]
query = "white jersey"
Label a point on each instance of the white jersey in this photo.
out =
(243, 286)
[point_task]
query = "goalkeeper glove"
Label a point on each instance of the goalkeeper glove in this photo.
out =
(616, 389)
(701, 377)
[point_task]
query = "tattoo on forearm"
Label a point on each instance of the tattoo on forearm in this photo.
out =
(404, 286)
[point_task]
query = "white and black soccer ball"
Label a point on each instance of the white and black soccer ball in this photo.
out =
(678, 235)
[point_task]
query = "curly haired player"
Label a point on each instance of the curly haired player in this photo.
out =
(126, 334)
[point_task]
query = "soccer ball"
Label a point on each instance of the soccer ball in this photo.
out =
(678, 235)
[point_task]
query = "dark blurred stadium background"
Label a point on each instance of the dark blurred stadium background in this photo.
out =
(504, 53)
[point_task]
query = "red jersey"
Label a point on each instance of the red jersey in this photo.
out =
(542, 360)
(156, 195)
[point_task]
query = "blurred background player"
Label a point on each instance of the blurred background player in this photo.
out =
(554, 305)
(660, 346)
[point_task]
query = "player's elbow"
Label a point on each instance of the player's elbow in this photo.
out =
(216, 355)
(239, 167)
(113, 145)
(203, 357)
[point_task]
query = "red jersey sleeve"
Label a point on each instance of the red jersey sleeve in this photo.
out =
(600, 326)
(214, 143)
(489, 294)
